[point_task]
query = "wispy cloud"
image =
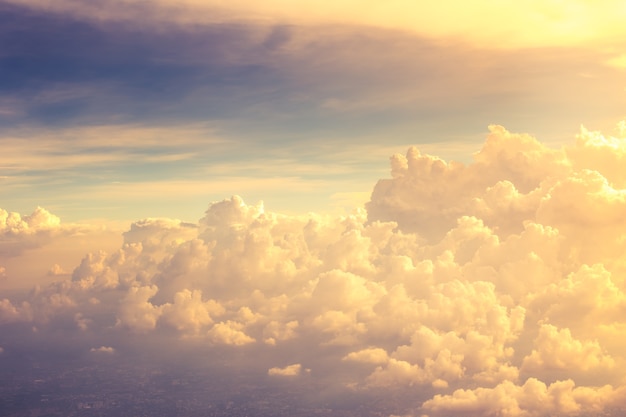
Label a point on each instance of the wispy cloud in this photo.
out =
(504, 24)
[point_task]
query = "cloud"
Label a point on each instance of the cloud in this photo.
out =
(243, 83)
(370, 355)
(124, 143)
(103, 349)
(290, 370)
(137, 312)
(14, 313)
(551, 23)
(56, 270)
(13, 224)
(557, 349)
(270, 61)
(229, 333)
(19, 233)
(189, 313)
(489, 288)
(533, 398)
(501, 186)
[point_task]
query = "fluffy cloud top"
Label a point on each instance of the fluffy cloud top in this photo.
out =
(493, 288)
(103, 349)
(18, 232)
(15, 224)
(291, 370)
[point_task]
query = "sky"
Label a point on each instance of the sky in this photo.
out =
(120, 110)
(401, 197)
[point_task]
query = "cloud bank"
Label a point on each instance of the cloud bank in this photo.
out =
(493, 288)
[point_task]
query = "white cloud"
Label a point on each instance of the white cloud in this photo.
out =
(103, 349)
(15, 224)
(136, 311)
(56, 270)
(12, 313)
(533, 399)
(370, 355)
(557, 349)
(229, 333)
(188, 313)
(427, 195)
(290, 370)
(276, 331)
(18, 232)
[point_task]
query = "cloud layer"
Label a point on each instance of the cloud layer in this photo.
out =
(493, 288)
(505, 24)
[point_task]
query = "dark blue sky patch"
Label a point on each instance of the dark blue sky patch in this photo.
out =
(147, 74)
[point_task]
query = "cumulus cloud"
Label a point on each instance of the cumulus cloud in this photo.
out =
(427, 195)
(533, 398)
(137, 312)
(56, 270)
(103, 349)
(10, 312)
(492, 288)
(229, 333)
(369, 355)
(15, 224)
(18, 232)
(291, 370)
(557, 349)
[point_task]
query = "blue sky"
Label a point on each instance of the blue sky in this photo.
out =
(125, 110)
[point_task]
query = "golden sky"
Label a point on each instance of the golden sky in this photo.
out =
(421, 204)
